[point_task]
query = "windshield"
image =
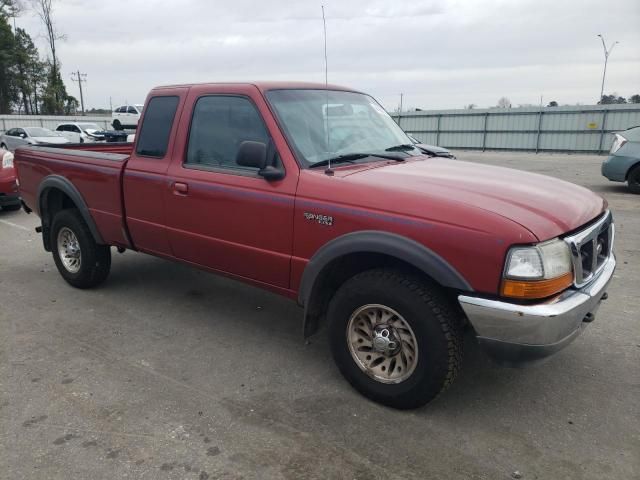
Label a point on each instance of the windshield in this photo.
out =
(356, 123)
(139, 107)
(89, 126)
(40, 132)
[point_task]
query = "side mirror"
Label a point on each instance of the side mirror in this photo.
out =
(23, 135)
(271, 173)
(252, 154)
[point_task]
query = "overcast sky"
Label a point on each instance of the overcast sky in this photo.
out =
(440, 54)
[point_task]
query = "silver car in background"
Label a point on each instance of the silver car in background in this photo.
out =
(623, 162)
(18, 137)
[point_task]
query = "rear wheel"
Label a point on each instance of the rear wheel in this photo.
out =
(117, 125)
(633, 180)
(4, 146)
(395, 337)
(79, 259)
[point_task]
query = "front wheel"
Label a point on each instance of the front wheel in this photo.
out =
(79, 259)
(633, 180)
(395, 337)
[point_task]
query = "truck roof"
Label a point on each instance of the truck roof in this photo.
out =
(268, 85)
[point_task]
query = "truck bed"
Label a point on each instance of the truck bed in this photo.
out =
(95, 169)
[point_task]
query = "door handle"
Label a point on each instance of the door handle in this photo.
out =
(180, 188)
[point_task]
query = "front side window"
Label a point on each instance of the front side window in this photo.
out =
(218, 127)
(323, 124)
(156, 127)
(132, 110)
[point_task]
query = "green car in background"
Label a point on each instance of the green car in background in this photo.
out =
(623, 163)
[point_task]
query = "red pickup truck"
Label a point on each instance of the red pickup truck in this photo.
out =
(315, 193)
(9, 198)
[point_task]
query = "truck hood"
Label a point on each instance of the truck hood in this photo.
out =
(545, 206)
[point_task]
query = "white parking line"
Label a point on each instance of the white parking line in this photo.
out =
(15, 225)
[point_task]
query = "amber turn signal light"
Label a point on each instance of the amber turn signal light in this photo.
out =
(535, 289)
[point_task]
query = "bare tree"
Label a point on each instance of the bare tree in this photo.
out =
(56, 89)
(44, 9)
(504, 102)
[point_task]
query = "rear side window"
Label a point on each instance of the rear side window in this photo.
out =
(156, 127)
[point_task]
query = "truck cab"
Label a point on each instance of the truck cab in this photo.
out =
(314, 192)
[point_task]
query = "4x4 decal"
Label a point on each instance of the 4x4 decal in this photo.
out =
(321, 219)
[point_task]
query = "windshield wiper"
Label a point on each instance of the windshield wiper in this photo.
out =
(400, 148)
(350, 157)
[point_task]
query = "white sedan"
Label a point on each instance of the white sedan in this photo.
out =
(80, 132)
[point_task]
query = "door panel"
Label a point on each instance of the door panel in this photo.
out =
(222, 224)
(145, 180)
(224, 216)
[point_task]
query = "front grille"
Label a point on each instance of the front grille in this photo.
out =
(590, 249)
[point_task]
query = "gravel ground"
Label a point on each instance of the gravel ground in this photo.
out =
(169, 372)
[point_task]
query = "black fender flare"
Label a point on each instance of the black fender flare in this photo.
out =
(373, 241)
(63, 184)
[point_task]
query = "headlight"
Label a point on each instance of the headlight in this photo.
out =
(618, 142)
(537, 271)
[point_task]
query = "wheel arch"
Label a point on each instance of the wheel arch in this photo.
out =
(349, 254)
(57, 193)
(631, 167)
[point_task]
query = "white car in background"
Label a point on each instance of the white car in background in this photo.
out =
(80, 132)
(126, 116)
(17, 137)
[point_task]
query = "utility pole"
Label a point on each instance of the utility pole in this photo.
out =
(80, 77)
(401, 95)
(606, 58)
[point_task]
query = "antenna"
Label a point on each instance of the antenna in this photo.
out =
(328, 171)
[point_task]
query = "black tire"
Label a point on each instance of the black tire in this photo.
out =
(4, 147)
(436, 326)
(633, 180)
(95, 260)
(12, 208)
(117, 125)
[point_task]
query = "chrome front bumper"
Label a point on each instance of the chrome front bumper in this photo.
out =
(516, 334)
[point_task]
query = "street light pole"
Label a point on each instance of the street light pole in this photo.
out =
(606, 58)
